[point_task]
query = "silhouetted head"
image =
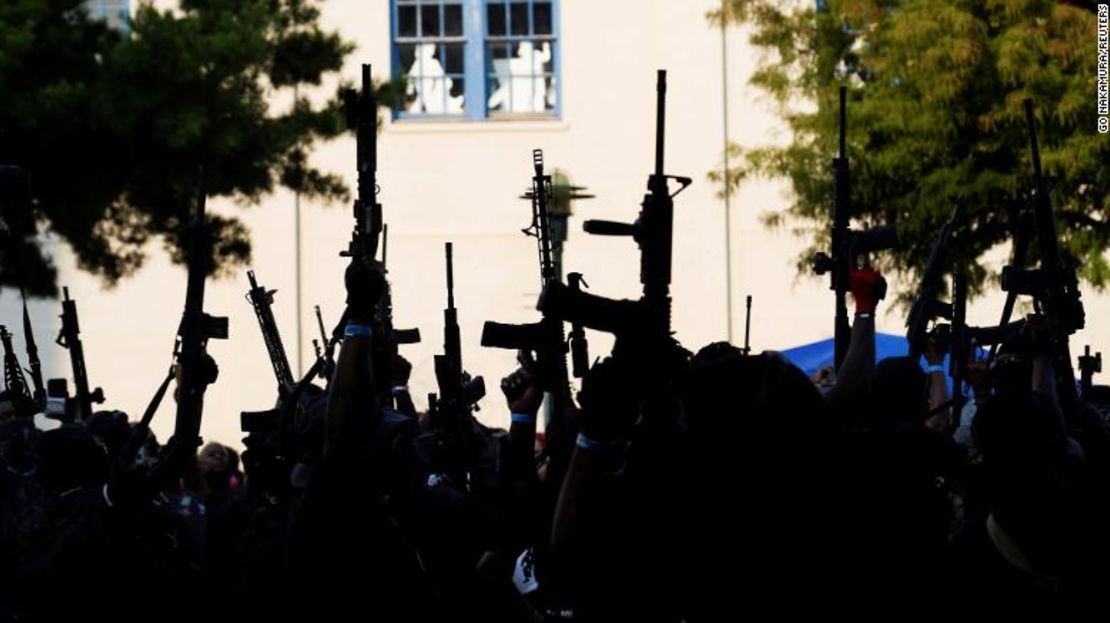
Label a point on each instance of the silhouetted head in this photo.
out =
(70, 457)
(897, 391)
(761, 403)
(218, 464)
(111, 429)
(1021, 438)
(18, 438)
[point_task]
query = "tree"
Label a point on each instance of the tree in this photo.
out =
(113, 126)
(935, 115)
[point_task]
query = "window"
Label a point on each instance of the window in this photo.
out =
(520, 46)
(477, 59)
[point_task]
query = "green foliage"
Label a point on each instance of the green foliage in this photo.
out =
(934, 115)
(113, 127)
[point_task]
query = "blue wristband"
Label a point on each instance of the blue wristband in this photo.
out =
(358, 329)
(935, 368)
(524, 418)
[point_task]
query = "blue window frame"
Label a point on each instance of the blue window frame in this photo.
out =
(477, 59)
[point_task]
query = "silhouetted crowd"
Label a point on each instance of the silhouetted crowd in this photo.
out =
(677, 486)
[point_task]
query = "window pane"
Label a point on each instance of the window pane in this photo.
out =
(495, 19)
(550, 95)
(406, 21)
(406, 56)
(545, 60)
(452, 20)
(429, 20)
(500, 57)
(518, 18)
(520, 79)
(542, 18)
(498, 99)
(412, 101)
(453, 63)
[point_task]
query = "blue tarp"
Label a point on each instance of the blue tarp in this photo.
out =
(812, 357)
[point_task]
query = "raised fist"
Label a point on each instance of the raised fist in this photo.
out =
(868, 288)
(365, 281)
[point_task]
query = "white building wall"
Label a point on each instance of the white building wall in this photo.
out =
(460, 181)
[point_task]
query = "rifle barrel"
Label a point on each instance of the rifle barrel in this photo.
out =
(450, 276)
(660, 117)
(843, 121)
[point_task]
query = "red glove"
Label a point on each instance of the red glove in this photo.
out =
(868, 288)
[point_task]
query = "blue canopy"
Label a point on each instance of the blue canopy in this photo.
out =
(812, 357)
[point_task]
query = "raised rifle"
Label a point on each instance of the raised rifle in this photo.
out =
(197, 327)
(848, 246)
(960, 349)
(546, 337)
(926, 307)
(748, 325)
(33, 361)
(69, 339)
(456, 388)
(262, 301)
(326, 350)
(18, 391)
(1020, 250)
(450, 411)
(650, 316)
(1054, 285)
(361, 108)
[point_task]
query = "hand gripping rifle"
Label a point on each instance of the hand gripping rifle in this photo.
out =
(69, 338)
(650, 316)
(848, 246)
(197, 327)
(262, 301)
(456, 388)
(361, 110)
(450, 412)
(1054, 285)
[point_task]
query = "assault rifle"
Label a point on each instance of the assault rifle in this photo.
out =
(848, 246)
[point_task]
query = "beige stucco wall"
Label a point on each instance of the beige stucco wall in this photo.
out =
(460, 181)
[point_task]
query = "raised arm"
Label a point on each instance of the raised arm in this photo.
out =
(610, 405)
(941, 418)
(351, 399)
(868, 288)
